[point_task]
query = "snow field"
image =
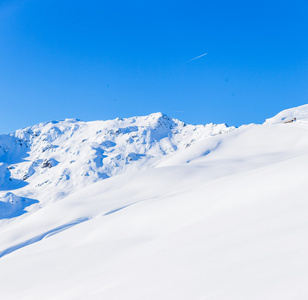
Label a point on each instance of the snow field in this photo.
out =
(225, 218)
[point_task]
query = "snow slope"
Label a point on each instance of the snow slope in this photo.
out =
(300, 113)
(225, 218)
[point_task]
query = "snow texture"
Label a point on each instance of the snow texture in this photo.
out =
(183, 212)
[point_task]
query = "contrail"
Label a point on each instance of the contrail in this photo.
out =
(197, 57)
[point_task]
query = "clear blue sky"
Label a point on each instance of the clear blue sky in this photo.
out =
(99, 59)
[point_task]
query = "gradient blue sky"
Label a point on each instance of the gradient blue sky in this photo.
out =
(106, 59)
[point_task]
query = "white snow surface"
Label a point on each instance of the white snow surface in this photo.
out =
(222, 217)
(300, 113)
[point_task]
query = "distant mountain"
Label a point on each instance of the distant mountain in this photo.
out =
(50, 160)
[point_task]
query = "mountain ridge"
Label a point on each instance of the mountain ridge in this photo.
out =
(52, 159)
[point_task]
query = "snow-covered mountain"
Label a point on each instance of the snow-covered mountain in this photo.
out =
(48, 161)
(168, 210)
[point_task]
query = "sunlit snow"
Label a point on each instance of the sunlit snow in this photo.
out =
(152, 208)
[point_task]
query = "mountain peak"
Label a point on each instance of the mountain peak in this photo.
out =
(55, 158)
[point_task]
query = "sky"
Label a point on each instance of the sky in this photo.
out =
(97, 60)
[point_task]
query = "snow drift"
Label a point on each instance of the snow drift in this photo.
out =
(224, 218)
